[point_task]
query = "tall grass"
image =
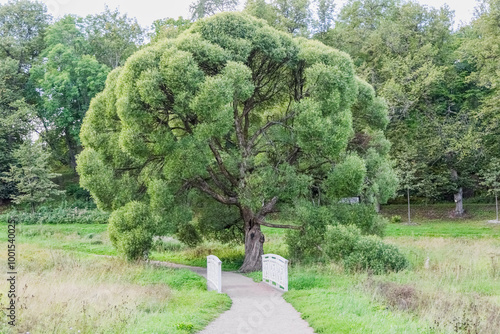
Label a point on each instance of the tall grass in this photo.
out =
(454, 283)
(61, 292)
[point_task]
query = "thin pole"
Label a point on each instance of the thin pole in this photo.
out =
(408, 195)
(496, 202)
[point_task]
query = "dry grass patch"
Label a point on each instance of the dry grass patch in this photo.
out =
(61, 292)
(453, 283)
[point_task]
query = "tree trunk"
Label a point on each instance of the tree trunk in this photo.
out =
(377, 206)
(459, 207)
(254, 243)
(70, 143)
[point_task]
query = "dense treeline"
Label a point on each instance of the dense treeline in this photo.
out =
(440, 84)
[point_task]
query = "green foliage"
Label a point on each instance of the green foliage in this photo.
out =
(325, 16)
(383, 181)
(219, 222)
(306, 243)
(77, 193)
(360, 215)
(359, 252)
(491, 176)
(412, 57)
(346, 179)
(396, 219)
(207, 117)
(188, 234)
(66, 81)
(112, 37)
(22, 27)
(32, 176)
(130, 230)
(340, 241)
(202, 8)
(293, 16)
(168, 28)
(58, 215)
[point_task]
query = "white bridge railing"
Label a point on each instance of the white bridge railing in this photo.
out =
(214, 273)
(275, 271)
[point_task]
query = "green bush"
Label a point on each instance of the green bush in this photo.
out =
(340, 241)
(358, 252)
(131, 230)
(396, 219)
(306, 244)
(188, 234)
(363, 216)
(76, 192)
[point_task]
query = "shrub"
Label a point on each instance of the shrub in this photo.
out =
(78, 193)
(340, 241)
(358, 252)
(396, 219)
(188, 234)
(305, 243)
(308, 242)
(363, 216)
(131, 230)
(372, 253)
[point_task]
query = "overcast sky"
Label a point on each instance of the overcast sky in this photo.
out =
(146, 11)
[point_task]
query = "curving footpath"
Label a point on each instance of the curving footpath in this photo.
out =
(257, 307)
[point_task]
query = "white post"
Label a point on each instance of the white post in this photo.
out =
(214, 273)
(275, 271)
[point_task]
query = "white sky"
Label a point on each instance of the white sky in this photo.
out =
(146, 11)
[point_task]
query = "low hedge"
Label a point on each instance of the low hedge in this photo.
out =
(58, 216)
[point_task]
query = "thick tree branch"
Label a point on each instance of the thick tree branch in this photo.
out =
(269, 124)
(219, 183)
(205, 187)
(292, 227)
(239, 130)
(221, 165)
(267, 208)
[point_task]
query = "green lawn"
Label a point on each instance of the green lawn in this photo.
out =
(446, 229)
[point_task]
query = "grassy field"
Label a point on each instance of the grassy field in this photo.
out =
(452, 285)
(66, 285)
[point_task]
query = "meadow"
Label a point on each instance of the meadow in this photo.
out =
(451, 286)
(68, 282)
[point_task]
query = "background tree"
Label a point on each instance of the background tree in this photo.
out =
(478, 52)
(262, 119)
(32, 175)
(112, 37)
(202, 8)
(407, 173)
(325, 11)
(294, 17)
(491, 180)
(408, 52)
(22, 27)
(66, 80)
(168, 28)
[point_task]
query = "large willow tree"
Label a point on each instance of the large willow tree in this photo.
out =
(228, 123)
